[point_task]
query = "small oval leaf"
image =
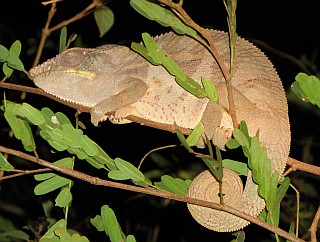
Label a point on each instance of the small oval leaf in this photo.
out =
(104, 18)
(50, 185)
(129, 170)
(64, 198)
(111, 224)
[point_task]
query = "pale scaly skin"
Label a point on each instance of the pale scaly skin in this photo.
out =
(114, 78)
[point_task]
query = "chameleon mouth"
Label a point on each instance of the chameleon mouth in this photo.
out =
(42, 71)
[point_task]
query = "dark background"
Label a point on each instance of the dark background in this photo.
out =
(291, 26)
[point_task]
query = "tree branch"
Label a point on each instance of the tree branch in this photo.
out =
(302, 166)
(314, 225)
(46, 31)
(150, 191)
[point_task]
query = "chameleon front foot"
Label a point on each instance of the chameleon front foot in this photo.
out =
(120, 115)
(97, 115)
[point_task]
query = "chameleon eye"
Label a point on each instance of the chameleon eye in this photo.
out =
(72, 58)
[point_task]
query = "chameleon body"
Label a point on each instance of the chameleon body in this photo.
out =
(114, 79)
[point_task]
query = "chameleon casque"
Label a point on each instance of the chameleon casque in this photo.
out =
(113, 78)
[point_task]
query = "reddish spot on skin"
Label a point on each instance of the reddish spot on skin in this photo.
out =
(157, 97)
(170, 89)
(122, 97)
(263, 106)
(249, 83)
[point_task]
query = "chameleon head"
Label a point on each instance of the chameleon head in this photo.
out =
(75, 75)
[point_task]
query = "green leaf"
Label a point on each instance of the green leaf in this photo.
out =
(191, 86)
(145, 183)
(62, 223)
(240, 236)
(97, 222)
(271, 196)
(282, 190)
(78, 238)
(86, 144)
(213, 167)
(59, 146)
(175, 185)
(44, 176)
(32, 114)
(50, 185)
(63, 235)
(210, 89)
(103, 158)
(244, 129)
(129, 170)
(240, 137)
(20, 128)
(152, 48)
(16, 47)
(47, 207)
(7, 70)
(14, 62)
(183, 140)
(104, 18)
(15, 235)
(65, 162)
(291, 230)
(253, 161)
(264, 172)
(194, 137)
(64, 198)
(236, 166)
(117, 175)
(111, 224)
(232, 144)
(130, 238)
(57, 135)
(62, 118)
(4, 52)
(143, 52)
(4, 164)
(63, 40)
(160, 57)
(263, 215)
(70, 136)
(6, 225)
(95, 163)
(307, 88)
(162, 15)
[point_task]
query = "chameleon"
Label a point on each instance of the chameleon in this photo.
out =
(116, 82)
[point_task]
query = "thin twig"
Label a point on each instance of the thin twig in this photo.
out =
(24, 172)
(150, 191)
(299, 165)
(46, 31)
(207, 35)
(76, 17)
(314, 225)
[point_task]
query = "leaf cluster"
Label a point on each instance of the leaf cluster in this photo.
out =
(262, 174)
(11, 60)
